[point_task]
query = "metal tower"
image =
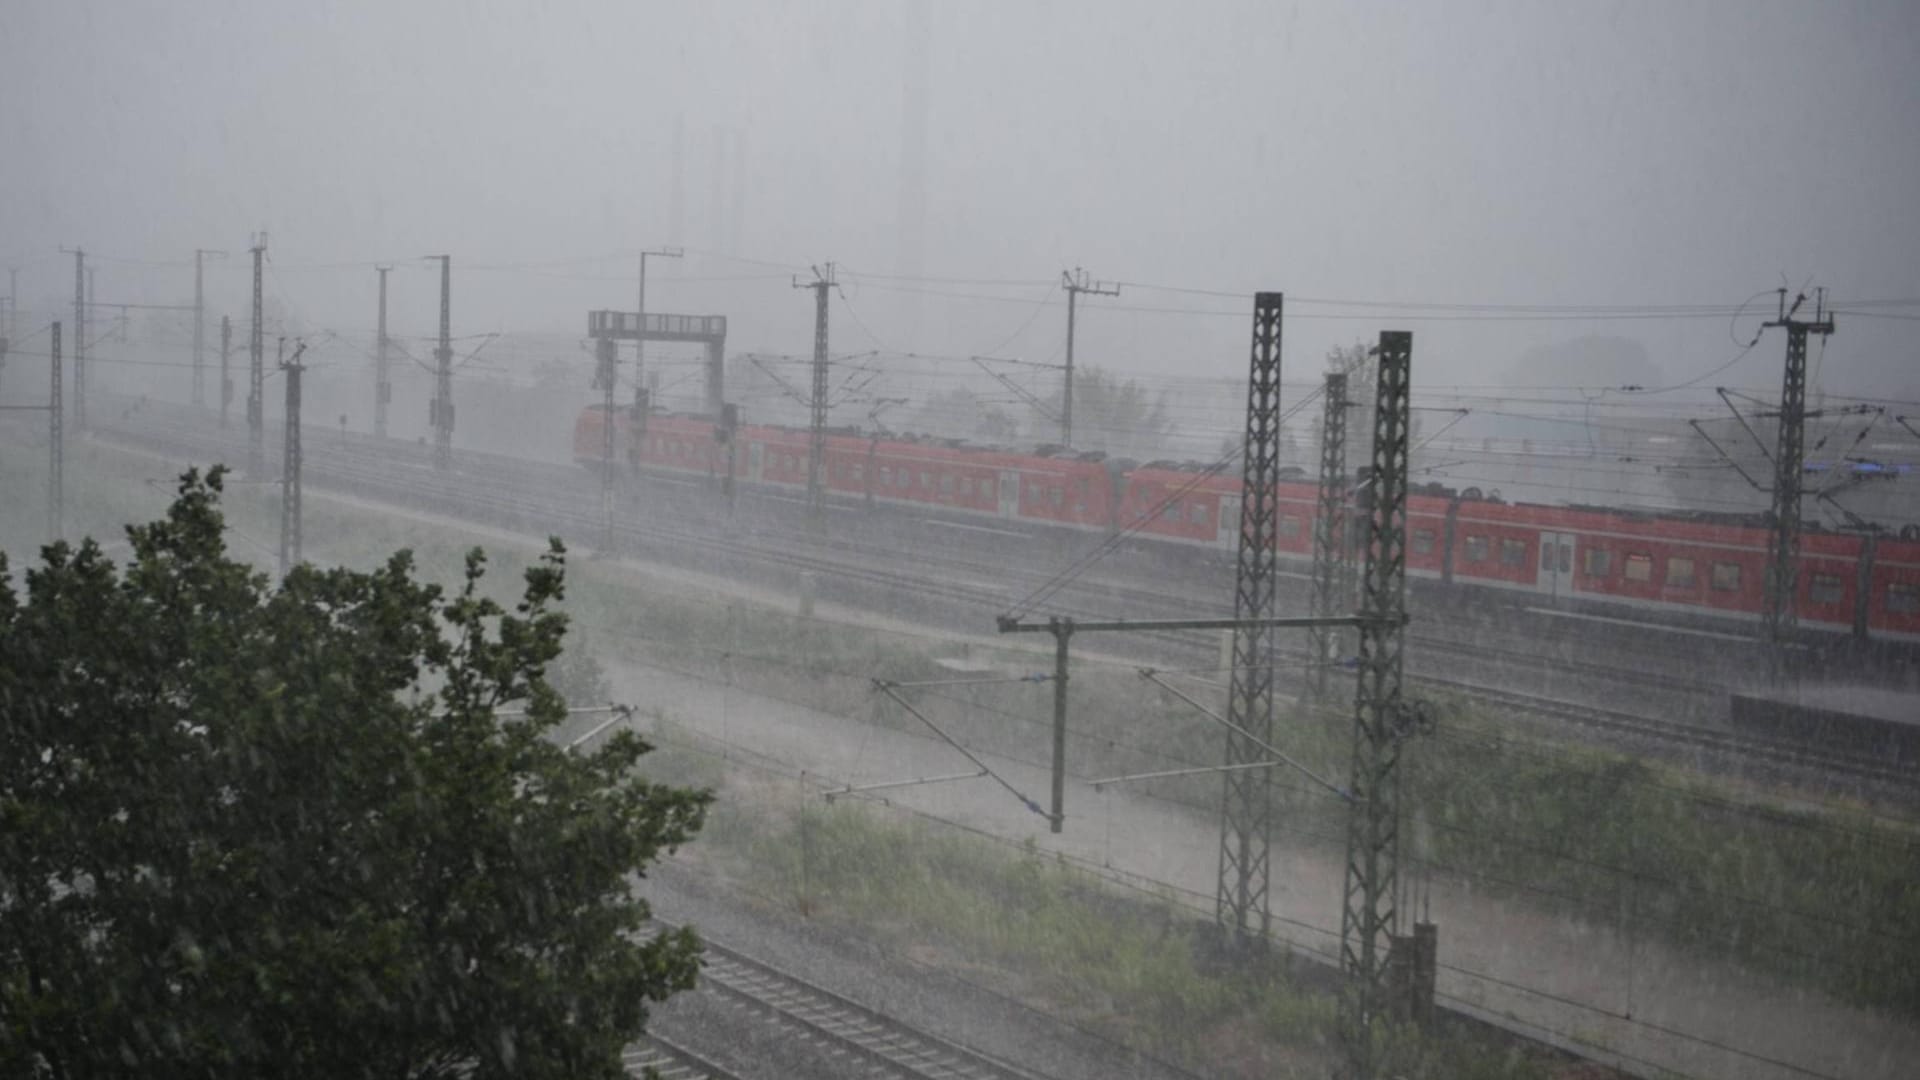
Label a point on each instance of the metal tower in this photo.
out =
(1369, 916)
(1329, 532)
(1779, 616)
(606, 377)
(1247, 796)
(441, 413)
(382, 383)
(56, 448)
(200, 326)
(256, 375)
(226, 379)
(290, 508)
(79, 340)
(817, 445)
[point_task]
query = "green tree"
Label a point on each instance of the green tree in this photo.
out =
(256, 832)
(1113, 414)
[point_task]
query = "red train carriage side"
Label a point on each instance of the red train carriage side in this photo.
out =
(1893, 593)
(1626, 560)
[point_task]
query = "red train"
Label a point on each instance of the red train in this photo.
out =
(1619, 559)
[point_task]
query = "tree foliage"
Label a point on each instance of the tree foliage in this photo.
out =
(1115, 414)
(258, 832)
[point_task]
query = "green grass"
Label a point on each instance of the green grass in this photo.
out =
(1141, 971)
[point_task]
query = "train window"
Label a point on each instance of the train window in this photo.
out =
(1170, 512)
(1057, 496)
(1824, 589)
(1679, 573)
(986, 488)
(1639, 567)
(1423, 541)
(966, 485)
(903, 478)
(926, 479)
(1476, 549)
(1289, 526)
(1513, 553)
(859, 472)
(1197, 513)
(1726, 577)
(1598, 559)
(1903, 599)
(946, 484)
(886, 476)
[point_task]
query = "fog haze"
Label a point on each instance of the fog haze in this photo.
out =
(1586, 154)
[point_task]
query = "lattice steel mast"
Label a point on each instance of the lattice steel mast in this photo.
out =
(1369, 913)
(79, 340)
(56, 447)
(226, 375)
(382, 382)
(442, 411)
(290, 464)
(200, 325)
(1247, 794)
(1780, 617)
(256, 382)
(817, 445)
(1329, 532)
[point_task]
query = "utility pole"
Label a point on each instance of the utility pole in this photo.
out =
(1780, 616)
(13, 310)
(200, 326)
(79, 339)
(382, 387)
(1329, 531)
(640, 342)
(1246, 811)
(441, 413)
(817, 445)
(290, 463)
(256, 380)
(56, 449)
(606, 375)
(226, 379)
(1075, 282)
(1369, 920)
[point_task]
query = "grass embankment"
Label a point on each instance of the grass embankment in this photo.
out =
(1139, 970)
(1826, 897)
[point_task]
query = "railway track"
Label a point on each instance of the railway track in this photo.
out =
(669, 1061)
(872, 1043)
(567, 510)
(1779, 753)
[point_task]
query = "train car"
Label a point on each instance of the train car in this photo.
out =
(1893, 590)
(1628, 562)
(1180, 504)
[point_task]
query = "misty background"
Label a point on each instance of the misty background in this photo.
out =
(1575, 197)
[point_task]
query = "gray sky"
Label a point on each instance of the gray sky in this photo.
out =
(1524, 153)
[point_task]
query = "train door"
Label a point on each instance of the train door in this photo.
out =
(755, 452)
(1556, 564)
(1009, 493)
(1230, 522)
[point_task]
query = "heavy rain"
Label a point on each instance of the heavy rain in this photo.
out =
(979, 539)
